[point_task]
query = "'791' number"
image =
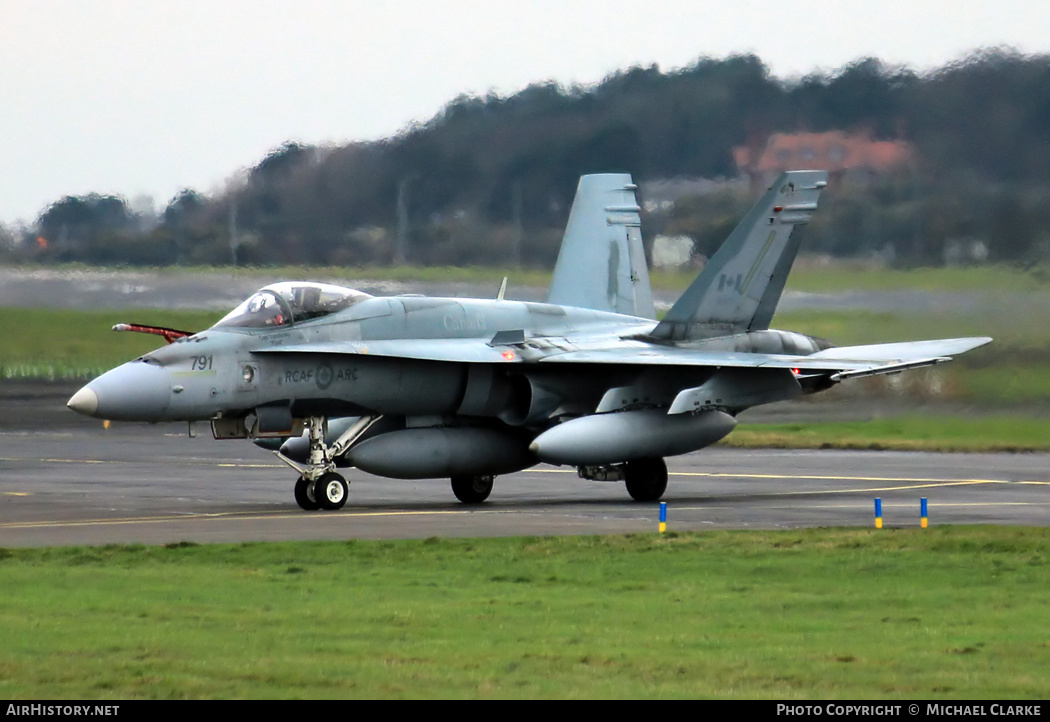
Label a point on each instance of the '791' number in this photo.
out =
(201, 363)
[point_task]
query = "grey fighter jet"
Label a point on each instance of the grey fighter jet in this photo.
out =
(413, 387)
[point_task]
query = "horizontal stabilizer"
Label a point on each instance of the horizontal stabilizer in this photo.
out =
(903, 350)
(891, 358)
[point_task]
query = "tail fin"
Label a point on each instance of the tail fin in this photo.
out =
(601, 264)
(740, 286)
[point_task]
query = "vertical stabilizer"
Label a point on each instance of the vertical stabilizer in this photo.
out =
(601, 264)
(740, 286)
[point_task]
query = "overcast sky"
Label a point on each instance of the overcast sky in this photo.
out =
(149, 97)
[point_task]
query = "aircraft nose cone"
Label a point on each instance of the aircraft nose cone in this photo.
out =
(84, 402)
(135, 391)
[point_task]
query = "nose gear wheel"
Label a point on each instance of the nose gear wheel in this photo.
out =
(319, 486)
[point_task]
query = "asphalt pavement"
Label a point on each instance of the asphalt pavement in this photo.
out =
(65, 479)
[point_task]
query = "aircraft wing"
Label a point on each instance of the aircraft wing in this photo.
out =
(843, 362)
(892, 357)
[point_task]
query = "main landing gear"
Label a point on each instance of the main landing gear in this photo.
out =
(319, 486)
(646, 479)
(472, 489)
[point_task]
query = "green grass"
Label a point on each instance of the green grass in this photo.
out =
(912, 432)
(1019, 334)
(48, 343)
(842, 275)
(1013, 370)
(831, 614)
(1005, 384)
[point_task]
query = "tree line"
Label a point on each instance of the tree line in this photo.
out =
(490, 179)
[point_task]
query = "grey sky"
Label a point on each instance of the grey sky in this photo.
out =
(130, 97)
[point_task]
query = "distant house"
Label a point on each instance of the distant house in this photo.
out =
(835, 151)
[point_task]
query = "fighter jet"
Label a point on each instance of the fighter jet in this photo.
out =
(413, 387)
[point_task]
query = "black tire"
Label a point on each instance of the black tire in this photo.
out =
(331, 491)
(304, 495)
(472, 489)
(646, 479)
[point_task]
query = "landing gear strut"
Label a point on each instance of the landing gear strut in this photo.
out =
(319, 486)
(472, 489)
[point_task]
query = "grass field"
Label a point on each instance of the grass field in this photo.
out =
(49, 343)
(825, 276)
(907, 432)
(804, 614)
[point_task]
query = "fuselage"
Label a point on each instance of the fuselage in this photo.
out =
(221, 370)
(329, 367)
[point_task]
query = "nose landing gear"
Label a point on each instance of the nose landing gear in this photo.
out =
(319, 486)
(330, 492)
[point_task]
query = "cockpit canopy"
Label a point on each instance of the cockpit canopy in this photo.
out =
(281, 304)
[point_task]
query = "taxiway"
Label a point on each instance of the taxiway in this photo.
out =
(84, 484)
